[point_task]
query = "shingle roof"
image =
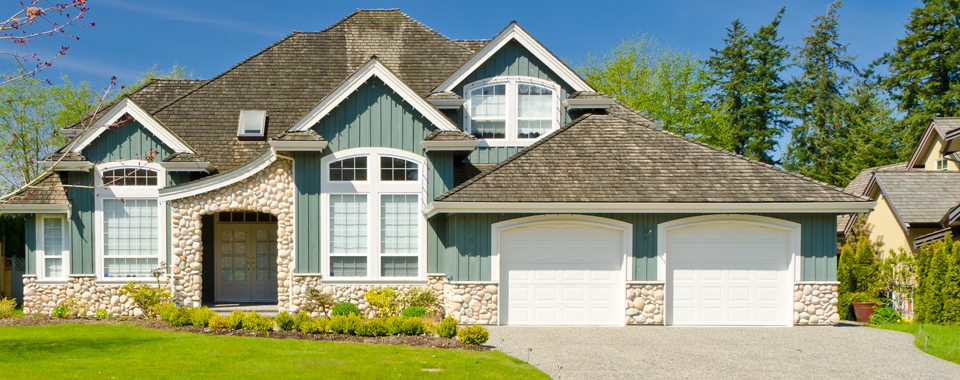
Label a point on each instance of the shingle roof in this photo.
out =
(184, 157)
(947, 124)
(858, 185)
(588, 95)
(45, 189)
(64, 157)
(920, 196)
(441, 135)
(463, 172)
(152, 95)
(444, 95)
(605, 158)
(474, 45)
(308, 135)
(292, 76)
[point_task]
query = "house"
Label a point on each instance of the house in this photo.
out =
(917, 200)
(379, 152)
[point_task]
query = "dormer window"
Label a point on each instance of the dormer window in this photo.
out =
(252, 123)
(130, 177)
(942, 164)
(511, 111)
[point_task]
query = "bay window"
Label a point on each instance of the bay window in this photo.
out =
(511, 111)
(373, 223)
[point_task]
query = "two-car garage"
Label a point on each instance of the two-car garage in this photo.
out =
(573, 270)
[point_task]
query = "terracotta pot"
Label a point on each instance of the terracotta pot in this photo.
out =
(863, 310)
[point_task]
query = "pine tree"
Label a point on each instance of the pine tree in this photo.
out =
(951, 286)
(871, 130)
(816, 99)
(925, 68)
(730, 69)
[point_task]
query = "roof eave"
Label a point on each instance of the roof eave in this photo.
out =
(446, 207)
(446, 146)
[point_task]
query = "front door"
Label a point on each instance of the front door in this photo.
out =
(247, 262)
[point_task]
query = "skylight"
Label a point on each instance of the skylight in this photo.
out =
(252, 123)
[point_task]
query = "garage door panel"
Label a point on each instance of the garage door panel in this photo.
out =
(728, 274)
(576, 271)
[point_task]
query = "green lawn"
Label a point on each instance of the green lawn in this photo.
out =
(18, 312)
(124, 351)
(944, 341)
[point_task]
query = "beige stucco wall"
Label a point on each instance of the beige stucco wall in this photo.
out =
(932, 154)
(886, 227)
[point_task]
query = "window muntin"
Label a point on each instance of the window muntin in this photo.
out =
(129, 177)
(348, 235)
(53, 247)
(349, 169)
(530, 110)
(942, 164)
(488, 111)
(534, 111)
(130, 237)
(399, 234)
(398, 169)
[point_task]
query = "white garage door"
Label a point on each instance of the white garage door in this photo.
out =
(728, 274)
(562, 274)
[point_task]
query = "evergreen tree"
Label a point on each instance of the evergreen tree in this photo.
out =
(925, 68)
(816, 100)
(746, 76)
(951, 286)
(871, 131)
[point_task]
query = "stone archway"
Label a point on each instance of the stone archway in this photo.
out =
(269, 191)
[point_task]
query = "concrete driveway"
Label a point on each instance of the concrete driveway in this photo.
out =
(653, 352)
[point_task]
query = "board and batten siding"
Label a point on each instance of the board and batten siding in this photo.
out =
(373, 116)
(466, 243)
(126, 141)
(30, 243)
(81, 223)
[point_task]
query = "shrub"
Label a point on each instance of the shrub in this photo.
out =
(394, 325)
(344, 309)
(61, 311)
(344, 324)
(101, 313)
(300, 318)
(321, 325)
(412, 326)
(475, 334)
(176, 315)
(421, 296)
(372, 327)
(235, 320)
(75, 306)
(448, 328)
(255, 321)
(284, 321)
(6, 307)
(166, 309)
(315, 300)
(384, 299)
(146, 297)
(885, 315)
(219, 322)
(414, 311)
(430, 328)
(200, 316)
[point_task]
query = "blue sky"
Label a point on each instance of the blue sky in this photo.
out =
(208, 37)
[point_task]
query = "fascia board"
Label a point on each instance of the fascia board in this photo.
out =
(508, 207)
(127, 106)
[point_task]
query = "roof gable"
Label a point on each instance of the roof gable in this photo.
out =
(514, 32)
(115, 118)
(620, 161)
(919, 196)
(374, 68)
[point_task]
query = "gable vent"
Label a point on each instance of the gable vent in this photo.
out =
(252, 123)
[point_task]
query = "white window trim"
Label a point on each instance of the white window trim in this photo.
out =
(512, 83)
(40, 249)
(263, 124)
(373, 188)
(128, 192)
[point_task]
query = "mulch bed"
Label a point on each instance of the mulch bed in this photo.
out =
(403, 340)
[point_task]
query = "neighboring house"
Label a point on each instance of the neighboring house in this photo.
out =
(378, 152)
(917, 201)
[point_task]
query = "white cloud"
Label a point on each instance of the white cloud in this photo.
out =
(194, 17)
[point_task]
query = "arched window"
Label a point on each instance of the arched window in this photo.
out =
(398, 169)
(349, 169)
(511, 111)
(130, 177)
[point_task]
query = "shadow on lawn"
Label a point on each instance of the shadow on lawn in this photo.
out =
(90, 346)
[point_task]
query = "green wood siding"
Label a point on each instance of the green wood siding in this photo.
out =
(514, 60)
(81, 223)
(173, 179)
(128, 141)
(465, 251)
(373, 116)
(492, 155)
(30, 242)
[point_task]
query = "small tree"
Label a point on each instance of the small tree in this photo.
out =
(38, 19)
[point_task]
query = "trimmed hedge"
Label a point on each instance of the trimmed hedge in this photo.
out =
(937, 295)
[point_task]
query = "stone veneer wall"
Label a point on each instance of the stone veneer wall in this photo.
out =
(644, 305)
(474, 302)
(269, 191)
(42, 298)
(815, 303)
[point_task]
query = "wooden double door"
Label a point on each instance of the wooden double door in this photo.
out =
(246, 261)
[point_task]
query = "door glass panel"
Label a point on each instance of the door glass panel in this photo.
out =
(239, 235)
(263, 275)
(226, 236)
(239, 275)
(261, 235)
(226, 275)
(263, 248)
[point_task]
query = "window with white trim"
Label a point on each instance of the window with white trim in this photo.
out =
(374, 223)
(252, 123)
(942, 164)
(511, 110)
(53, 247)
(128, 216)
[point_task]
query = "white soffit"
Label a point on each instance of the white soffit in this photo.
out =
(507, 207)
(374, 68)
(221, 180)
(515, 32)
(127, 106)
